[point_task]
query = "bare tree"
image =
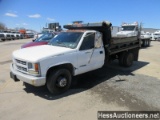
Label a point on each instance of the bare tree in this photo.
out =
(2, 26)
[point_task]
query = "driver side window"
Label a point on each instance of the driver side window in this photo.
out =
(88, 41)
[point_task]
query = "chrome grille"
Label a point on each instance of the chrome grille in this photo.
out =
(21, 62)
(21, 68)
(21, 65)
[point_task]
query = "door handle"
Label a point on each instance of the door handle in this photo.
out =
(101, 52)
(87, 52)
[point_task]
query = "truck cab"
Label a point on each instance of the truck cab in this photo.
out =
(128, 30)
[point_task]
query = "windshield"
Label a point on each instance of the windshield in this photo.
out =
(67, 39)
(45, 37)
(128, 28)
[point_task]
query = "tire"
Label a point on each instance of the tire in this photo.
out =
(149, 43)
(128, 59)
(121, 58)
(145, 43)
(141, 43)
(59, 81)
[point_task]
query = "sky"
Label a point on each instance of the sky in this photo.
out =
(36, 14)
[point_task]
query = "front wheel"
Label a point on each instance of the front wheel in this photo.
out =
(59, 81)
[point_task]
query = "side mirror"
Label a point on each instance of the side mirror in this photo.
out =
(33, 40)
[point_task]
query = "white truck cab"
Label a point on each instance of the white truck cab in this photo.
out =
(128, 30)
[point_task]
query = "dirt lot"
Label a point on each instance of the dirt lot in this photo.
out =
(109, 88)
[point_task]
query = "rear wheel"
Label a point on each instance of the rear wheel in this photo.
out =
(128, 59)
(145, 43)
(59, 81)
(149, 43)
(121, 58)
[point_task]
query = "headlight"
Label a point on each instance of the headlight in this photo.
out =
(34, 69)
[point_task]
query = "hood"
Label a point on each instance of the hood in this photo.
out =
(30, 44)
(35, 54)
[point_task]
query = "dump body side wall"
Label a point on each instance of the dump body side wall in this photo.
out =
(118, 45)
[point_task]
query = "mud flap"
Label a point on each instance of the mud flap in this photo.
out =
(14, 77)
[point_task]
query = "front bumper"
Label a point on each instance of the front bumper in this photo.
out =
(35, 81)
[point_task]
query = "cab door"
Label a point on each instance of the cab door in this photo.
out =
(98, 57)
(90, 57)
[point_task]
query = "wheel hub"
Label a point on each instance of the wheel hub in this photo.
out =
(62, 82)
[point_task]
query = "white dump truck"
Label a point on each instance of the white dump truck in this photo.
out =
(80, 49)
